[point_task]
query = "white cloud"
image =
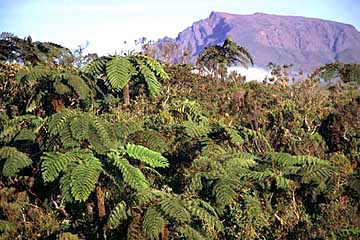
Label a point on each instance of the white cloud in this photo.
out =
(252, 73)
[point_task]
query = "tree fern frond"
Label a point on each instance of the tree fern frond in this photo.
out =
(61, 88)
(235, 138)
(224, 192)
(173, 208)
(151, 139)
(282, 182)
(53, 163)
(81, 172)
(194, 129)
(190, 233)
(153, 223)
(117, 215)
(67, 138)
(80, 86)
(153, 84)
(84, 176)
(243, 160)
(15, 161)
(6, 226)
(96, 67)
(150, 195)
(59, 120)
(204, 216)
(156, 67)
(132, 176)
(102, 131)
(150, 157)
(65, 187)
(125, 129)
(118, 71)
(79, 127)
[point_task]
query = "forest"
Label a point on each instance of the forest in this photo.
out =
(126, 146)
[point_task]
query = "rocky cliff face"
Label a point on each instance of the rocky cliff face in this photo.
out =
(303, 42)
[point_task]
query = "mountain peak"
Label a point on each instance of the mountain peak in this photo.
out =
(304, 42)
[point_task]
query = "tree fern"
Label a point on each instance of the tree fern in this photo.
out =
(190, 233)
(117, 215)
(53, 163)
(153, 223)
(81, 172)
(6, 226)
(118, 71)
(174, 209)
(96, 67)
(74, 127)
(203, 215)
(224, 192)
(151, 139)
(153, 84)
(15, 161)
(79, 127)
(156, 67)
(131, 175)
(84, 177)
(125, 129)
(150, 157)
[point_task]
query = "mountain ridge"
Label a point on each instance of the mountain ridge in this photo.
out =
(304, 42)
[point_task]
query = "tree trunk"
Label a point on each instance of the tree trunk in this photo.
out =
(126, 95)
(100, 202)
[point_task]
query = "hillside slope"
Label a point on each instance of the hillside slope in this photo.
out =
(303, 42)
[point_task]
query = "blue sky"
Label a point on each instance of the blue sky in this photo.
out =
(106, 24)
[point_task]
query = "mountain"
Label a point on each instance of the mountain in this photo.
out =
(304, 42)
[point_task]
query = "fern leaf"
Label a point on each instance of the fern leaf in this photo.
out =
(84, 176)
(152, 223)
(197, 130)
(150, 157)
(174, 209)
(205, 216)
(117, 215)
(96, 67)
(224, 192)
(59, 120)
(79, 127)
(125, 129)
(151, 139)
(118, 71)
(150, 195)
(190, 233)
(6, 226)
(80, 86)
(153, 84)
(53, 163)
(132, 176)
(156, 67)
(15, 161)
(65, 187)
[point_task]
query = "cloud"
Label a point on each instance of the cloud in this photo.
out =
(252, 73)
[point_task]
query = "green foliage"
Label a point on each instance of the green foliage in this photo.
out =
(75, 128)
(210, 160)
(81, 172)
(217, 58)
(15, 161)
(118, 215)
(117, 71)
(152, 223)
(152, 158)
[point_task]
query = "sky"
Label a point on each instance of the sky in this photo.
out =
(107, 24)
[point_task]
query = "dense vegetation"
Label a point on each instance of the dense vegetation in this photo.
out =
(123, 147)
